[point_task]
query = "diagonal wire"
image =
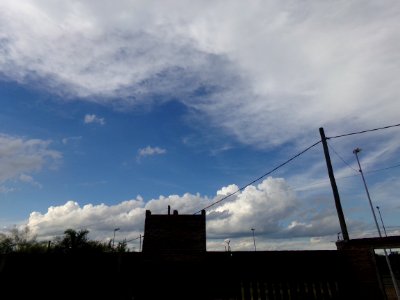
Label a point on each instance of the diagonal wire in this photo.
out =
(136, 238)
(348, 176)
(259, 178)
(342, 158)
(363, 131)
(387, 168)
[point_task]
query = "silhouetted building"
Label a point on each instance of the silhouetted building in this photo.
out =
(177, 266)
(174, 233)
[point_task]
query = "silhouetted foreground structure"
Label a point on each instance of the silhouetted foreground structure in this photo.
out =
(370, 243)
(174, 233)
(211, 275)
(175, 265)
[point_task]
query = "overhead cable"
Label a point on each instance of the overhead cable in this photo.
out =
(259, 178)
(363, 131)
(337, 154)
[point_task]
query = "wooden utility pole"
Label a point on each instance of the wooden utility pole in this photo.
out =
(335, 191)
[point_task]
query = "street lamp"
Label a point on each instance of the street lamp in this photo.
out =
(254, 240)
(115, 229)
(396, 288)
(356, 151)
(383, 225)
(227, 241)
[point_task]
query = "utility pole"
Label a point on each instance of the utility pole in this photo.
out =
(335, 191)
(396, 287)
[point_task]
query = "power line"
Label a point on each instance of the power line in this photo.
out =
(391, 167)
(342, 158)
(136, 238)
(344, 177)
(259, 178)
(393, 227)
(363, 131)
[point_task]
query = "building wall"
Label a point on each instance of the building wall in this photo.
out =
(174, 233)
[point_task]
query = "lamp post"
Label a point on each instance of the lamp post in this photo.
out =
(383, 225)
(115, 229)
(254, 240)
(396, 288)
(227, 248)
(356, 151)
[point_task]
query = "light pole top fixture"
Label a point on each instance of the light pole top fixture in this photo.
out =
(357, 150)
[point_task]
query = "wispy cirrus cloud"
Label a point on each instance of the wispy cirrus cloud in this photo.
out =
(242, 66)
(6, 190)
(29, 179)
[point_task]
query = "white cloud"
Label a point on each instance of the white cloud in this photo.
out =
(149, 151)
(270, 207)
(93, 119)
(20, 157)
(100, 219)
(287, 68)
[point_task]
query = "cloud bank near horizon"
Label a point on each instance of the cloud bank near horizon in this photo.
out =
(285, 67)
(271, 207)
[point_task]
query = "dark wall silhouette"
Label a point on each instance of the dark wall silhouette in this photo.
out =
(209, 275)
(174, 233)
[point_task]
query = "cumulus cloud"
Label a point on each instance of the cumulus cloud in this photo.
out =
(93, 119)
(270, 207)
(149, 151)
(285, 67)
(100, 219)
(20, 157)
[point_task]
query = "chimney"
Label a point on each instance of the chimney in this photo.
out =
(169, 210)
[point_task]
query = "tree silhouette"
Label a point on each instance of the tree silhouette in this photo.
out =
(73, 241)
(20, 240)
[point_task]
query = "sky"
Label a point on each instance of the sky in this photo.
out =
(110, 109)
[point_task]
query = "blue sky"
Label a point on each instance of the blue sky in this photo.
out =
(107, 111)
